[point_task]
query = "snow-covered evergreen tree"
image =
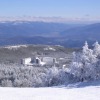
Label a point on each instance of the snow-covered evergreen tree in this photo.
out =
(96, 49)
(83, 64)
(6, 83)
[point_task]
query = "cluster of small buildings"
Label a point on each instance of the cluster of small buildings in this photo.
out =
(39, 61)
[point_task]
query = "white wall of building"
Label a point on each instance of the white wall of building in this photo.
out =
(27, 61)
(48, 60)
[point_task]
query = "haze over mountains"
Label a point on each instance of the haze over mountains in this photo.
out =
(27, 28)
(36, 32)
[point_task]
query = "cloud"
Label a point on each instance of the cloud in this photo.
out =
(50, 19)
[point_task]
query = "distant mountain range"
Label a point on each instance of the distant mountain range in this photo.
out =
(27, 28)
(88, 32)
(26, 32)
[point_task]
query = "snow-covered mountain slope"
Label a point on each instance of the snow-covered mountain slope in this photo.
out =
(16, 47)
(85, 91)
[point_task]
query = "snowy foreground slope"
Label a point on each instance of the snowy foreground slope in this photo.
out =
(80, 91)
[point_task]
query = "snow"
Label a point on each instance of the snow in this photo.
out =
(50, 48)
(42, 63)
(15, 47)
(80, 91)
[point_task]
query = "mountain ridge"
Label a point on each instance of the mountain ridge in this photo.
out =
(69, 35)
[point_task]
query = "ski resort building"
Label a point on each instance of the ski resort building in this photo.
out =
(39, 61)
(26, 61)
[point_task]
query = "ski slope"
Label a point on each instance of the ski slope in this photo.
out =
(82, 92)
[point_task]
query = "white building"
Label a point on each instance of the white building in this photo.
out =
(49, 60)
(26, 61)
(39, 61)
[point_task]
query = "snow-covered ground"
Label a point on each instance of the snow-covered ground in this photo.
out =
(84, 91)
(15, 47)
(49, 48)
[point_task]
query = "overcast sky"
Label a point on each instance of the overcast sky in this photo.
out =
(51, 8)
